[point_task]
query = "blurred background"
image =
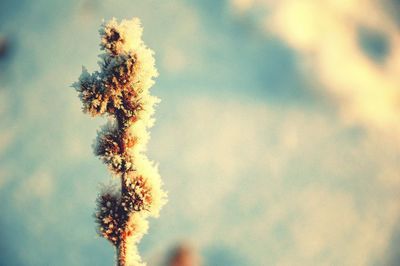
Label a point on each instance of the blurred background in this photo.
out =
(278, 134)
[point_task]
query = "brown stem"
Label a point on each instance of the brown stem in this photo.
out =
(124, 189)
(121, 253)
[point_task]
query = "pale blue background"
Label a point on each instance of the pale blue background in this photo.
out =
(231, 97)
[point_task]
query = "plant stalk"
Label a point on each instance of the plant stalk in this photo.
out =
(121, 253)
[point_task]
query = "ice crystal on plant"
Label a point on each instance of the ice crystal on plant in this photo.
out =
(120, 90)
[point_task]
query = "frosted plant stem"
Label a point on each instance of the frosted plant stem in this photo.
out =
(121, 253)
(120, 91)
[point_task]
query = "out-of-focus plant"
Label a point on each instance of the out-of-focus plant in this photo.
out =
(120, 90)
(183, 255)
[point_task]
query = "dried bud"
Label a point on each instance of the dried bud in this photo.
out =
(112, 146)
(92, 93)
(107, 216)
(138, 195)
(112, 41)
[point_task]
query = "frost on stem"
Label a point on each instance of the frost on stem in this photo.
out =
(112, 146)
(120, 89)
